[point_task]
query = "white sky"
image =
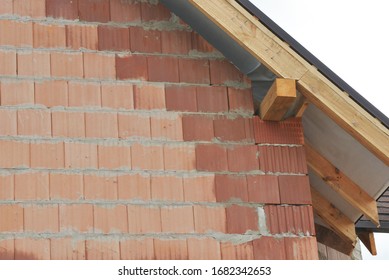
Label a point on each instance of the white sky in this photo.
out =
(351, 37)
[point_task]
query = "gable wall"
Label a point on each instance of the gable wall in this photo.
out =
(124, 135)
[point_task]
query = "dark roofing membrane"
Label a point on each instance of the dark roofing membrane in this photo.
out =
(310, 58)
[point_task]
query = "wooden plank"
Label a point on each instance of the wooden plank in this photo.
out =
(333, 217)
(331, 239)
(368, 240)
(342, 184)
(278, 100)
(278, 57)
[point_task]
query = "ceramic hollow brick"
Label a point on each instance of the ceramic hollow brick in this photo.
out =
(66, 186)
(154, 12)
(167, 188)
(137, 249)
(263, 189)
(223, 72)
(131, 67)
(7, 187)
(203, 249)
(209, 219)
(194, 71)
(51, 93)
(8, 63)
(125, 11)
(147, 157)
(97, 187)
(210, 157)
(101, 125)
(114, 157)
(163, 69)
(198, 128)
(301, 248)
(179, 158)
(49, 36)
(169, 128)
(40, 219)
(181, 98)
(34, 9)
(110, 219)
(143, 219)
(17, 93)
(199, 188)
(240, 100)
(230, 251)
(68, 124)
(7, 246)
(102, 249)
(67, 9)
(295, 190)
(84, 94)
(134, 187)
(230, 129)
(6, 7)
(69, 65)
(200, 44)
(81, 37)
(99, 66)
(32, 249)
(47, 155)
(34, 122)
(11, 218)
(14, 154)
(269, 248)
(176, 42)
(230, 188)
(67, 249)
(149, 97)
(34, 63)
(8, 123)
(32, 186)
(243, 158)
(112, 38)
(117, 96)
(134, 126)
(177, 219)
(81, 155)
(94, 10)
(241, 219)
(166, 249)
(76, 217)
(16, 33)
(145, 41)
(212, 99)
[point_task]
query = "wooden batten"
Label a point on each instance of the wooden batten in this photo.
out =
(334, 218)
(368, 240)
(279, 98)
(342, 184)
(331, 239)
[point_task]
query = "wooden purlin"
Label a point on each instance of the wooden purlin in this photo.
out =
(368, 240)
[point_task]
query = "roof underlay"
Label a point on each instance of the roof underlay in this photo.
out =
(344, 131)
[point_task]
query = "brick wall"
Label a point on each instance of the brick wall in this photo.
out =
(124, 135)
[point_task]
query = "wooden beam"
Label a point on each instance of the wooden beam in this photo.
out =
(332, 216)
(283, 61)
(279, 98)
(302, 107)
(342, 184)
(368, 240)
(331, 239)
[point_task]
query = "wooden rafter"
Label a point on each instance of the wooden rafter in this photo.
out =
(334, 218)
(277, 56)
(368, 240)
(342, 184)
(331, 239)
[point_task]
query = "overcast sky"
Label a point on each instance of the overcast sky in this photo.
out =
(351, 37)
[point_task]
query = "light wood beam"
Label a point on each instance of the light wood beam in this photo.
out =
(331, 239)
(333, 217)
(342, 184)
(279, 98)
(283, 61)
(368, 240)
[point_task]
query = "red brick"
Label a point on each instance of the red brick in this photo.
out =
(243, 158)
(34, 122)
(212, 99)
(11, 218)
(204, 249)
(102, 249)
(147, 157)
(145, 41)
(114, 157)
(47, 155)
(167, 188)
(33, 63)
(125, 11)
(94, 10)
(223, 72)
(230, 129)
(201, 188)
(243, 251)
(231, 188)
(240, 100)
(241, 219)
(295, 190)
(84, 94)
(170, 249)
(168, 128)
(134, 186)
(17, 93)
(76, 217)
(81, 36)
(131, 67)
(110, 219)
(99, 66)
(112, 38)
(49, 36)
(198, 128)
(200, 44)
(179, 158)
(67, 249)
(118, 96)
(6, 8)
(149, 97)
(282, 159)
(177, 219)
(137, 249)
(177, 42)
(134, 126)
(80, 155)
(100, 187)
(8, 63)
(144, 219)
(269, 248)
(66, 9)
(14, 154)
(35, 9)
(32, 249)
(41, 218)
(263, 189)
(7, 187)
(51, 93)
(154, 12)
(163, 69)
(32, 186)
(181, 98)
(211, 157)
(68, 124)
(16, 33)
(8, 123)
(289, 131)
(66, 186)
(101, 125)
(297, 248)
(194, 71)
(67, 65)
(7, 246)
(209, 219)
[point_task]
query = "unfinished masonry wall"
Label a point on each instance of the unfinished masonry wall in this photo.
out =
(124, 135)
